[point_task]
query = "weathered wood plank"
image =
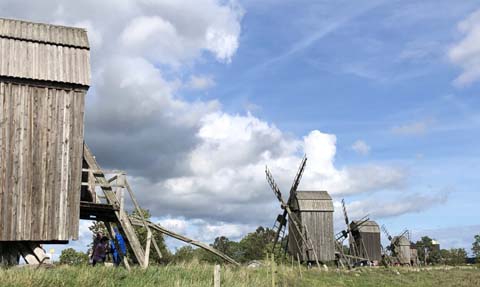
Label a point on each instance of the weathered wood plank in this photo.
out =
(122, 217)
(43, 82)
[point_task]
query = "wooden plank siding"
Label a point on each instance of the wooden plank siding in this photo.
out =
(368, 236)
(44, 77)
(41, 143)
(314, 209)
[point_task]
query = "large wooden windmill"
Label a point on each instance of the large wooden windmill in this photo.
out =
(309, 218)
(48, 177)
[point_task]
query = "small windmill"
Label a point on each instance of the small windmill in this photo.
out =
(399, 246)
(303, 241)
(353, 246)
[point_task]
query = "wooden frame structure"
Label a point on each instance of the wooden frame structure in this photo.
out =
(109, 207)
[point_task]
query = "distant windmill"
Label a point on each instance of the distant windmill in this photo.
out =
(355, 245)
(309, 218)
(399, 247)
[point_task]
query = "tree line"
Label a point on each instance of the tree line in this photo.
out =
(254, 246)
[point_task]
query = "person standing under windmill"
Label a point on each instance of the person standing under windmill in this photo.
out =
(100, 249)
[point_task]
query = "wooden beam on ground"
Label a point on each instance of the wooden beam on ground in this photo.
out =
(140, 222)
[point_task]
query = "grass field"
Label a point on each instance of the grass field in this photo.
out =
(202, 275)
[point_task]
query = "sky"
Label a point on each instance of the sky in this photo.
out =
(194, 98)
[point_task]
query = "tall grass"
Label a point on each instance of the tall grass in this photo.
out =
(196, 274)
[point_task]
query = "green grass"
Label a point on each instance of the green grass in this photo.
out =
(194, 274)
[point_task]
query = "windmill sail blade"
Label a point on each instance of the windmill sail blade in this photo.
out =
(298, 177)
(281, 221)
(274, 186)
(279, 228)
(384, 229)
(345, 215)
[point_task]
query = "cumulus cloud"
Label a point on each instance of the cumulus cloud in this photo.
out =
(226, 179)
(466, 53)
(410, 203)
(193, 165)
(361, 147)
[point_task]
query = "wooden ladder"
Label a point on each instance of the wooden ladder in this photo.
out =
(123, 220)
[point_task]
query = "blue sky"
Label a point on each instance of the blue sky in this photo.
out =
(359, 70)
(382, 95)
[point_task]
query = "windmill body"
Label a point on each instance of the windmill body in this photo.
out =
(308, 218)
(367, 239)
(401, 249)
(314, 210)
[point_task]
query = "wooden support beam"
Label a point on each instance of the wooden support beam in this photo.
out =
(27, 254)
(140, 222)
(122, 217)
(147, 247)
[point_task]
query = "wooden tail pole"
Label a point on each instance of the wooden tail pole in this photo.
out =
(137, 221)
(273, 270)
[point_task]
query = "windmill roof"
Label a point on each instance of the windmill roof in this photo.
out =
(368, 227)
(313, 201)
(43, 52)
(44, 33)
(313, 195)
(401, 240)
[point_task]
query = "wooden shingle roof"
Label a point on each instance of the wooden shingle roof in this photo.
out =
(43, 52)
(313, 201)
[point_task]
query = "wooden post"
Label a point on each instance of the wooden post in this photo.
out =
(147, 247)
(216, 276)
(273, 270)
(140, 214)
(299, 266)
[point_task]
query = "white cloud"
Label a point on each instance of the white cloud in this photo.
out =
(190, 162)
(178, 225)
(466, 53)
(226, 179)
(200, 82)
(413, 128)
(361, 147)
(383, 208)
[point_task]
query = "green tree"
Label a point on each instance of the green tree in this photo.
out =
(454, 256)
(72, 257)
(428, 253)
(256, 245)
(476, 247)
(184, 254)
